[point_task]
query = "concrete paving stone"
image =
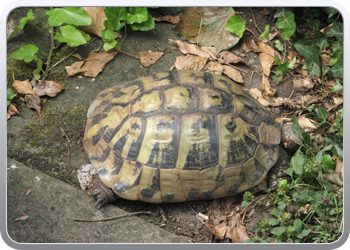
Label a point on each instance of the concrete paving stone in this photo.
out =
(51, 206)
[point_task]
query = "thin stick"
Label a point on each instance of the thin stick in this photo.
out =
(64, 58)
(65, 135)
(112, 218)
(136, 57)
(255, 24)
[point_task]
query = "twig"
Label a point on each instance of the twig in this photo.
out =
(255, 24)
(65, 135)
(136, 57)
(251, 77)
(199, 31)
(112, 218)
(64, 58)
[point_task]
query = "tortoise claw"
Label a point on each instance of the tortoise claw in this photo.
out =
(103, 194)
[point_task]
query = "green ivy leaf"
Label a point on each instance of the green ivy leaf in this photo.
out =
(109, 45)
(72, 36)
(22, 23)
(337, 150)
(38, 69)
(137, 15)
(26, 53)
(148, 25)
(279, 45)
(266, 32)
(10, 96)
(330, 11)
(336, 30)
(236, 25)
(108, 35)
(116, 17)
(337, 69)
(287, 25)
(321, 115)
(76, 16)
(297, 130)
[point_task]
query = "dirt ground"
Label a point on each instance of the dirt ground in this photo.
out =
(52, 143)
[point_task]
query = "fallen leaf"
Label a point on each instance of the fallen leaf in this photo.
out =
(23, 87)
(214, 67)
(307, 124)
(28, 192)
(92, 65)
(49, 88)
(303, 210)
(325, 29)
(303, 84)
(206, 26)
(234, 74)
(98, 17)
(33, 101)
(337, 99)
(266, 49)
(10, 27)
(334, 176)
(256, 93)
(12, 110)
(190, 62)
(22, 218)
(149, 58)
(266, 63)
(225, 222)
(167, 18)
(265, 87)
(227, 57)
(249, 44)
(188, 48)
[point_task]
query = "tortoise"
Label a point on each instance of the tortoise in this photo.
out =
(178, 136)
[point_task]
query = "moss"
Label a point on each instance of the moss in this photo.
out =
(18, 68)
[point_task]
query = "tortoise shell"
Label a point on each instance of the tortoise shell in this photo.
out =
(179, 136)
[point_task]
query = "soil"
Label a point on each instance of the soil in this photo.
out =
(52, 143)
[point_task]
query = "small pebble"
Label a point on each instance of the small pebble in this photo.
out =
(37, 178)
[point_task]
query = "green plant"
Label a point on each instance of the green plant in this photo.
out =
(67, 19)
(308, 209)
(10, 96)
(236, 25)
(66, 22)
(138, 18)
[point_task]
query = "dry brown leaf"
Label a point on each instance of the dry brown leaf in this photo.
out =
(326, 59)
(190, 62)
(225, 222)
(10, 27)
(188, 48)
(23, 87)
(149, 58)
(265, 87)
(214, 67)
(22, 218)
(266, 49)
(307, 124)
(334, 176)
(325, 29)
(167, 18)
(303, 84)
(98, 16)
(227, 57)
(33, 101)
(266, 63)
(256, 93)
(249, 44)
(92, 65)
(28, 191)
(49, 88)
(12, 110)
(236, 229)
(234, 74)
(337, 99)
(303, 210)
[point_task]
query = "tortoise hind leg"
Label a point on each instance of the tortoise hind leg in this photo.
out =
(103, 194)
